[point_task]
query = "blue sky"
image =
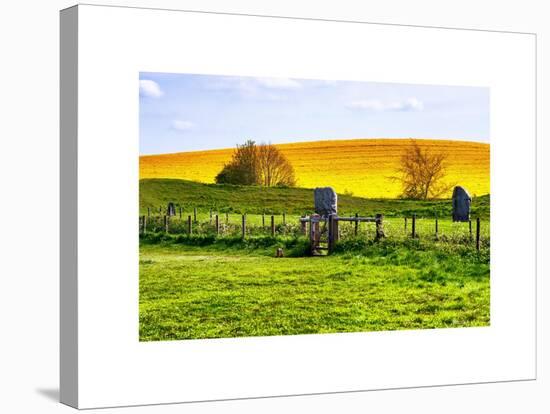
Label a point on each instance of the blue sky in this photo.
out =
(186, 112)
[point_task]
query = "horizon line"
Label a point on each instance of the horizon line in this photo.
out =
(325, 140)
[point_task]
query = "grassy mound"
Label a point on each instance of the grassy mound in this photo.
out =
(255, 200)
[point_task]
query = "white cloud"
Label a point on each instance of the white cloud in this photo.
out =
(149, 88)
(272, 89)
(278, 83)
(180, 125)
(409, 104)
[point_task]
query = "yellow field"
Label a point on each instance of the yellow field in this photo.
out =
(358, 166)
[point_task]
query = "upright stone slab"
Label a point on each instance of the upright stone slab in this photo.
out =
(461, 204)
(171, 210)
(326, 201)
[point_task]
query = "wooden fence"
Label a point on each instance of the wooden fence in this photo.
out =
(309, 225)
(214, 220)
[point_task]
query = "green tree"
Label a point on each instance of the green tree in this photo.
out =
(253, 164)
(243, 168)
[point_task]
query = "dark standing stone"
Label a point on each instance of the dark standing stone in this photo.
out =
(171, 210)
(461, 204)
(326, 201)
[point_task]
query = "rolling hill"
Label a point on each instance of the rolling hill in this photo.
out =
(274, 200)
(361, 167)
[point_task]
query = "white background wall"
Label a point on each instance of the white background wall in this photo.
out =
(29, 205)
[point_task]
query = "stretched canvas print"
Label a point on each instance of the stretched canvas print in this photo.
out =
(257, 206)
(282, 206)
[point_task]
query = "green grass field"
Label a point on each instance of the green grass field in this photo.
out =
(155, 193)
(208, 285)
(229, 290)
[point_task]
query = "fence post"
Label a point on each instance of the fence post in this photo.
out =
(160, 210)
(436, 228)
(470, 226)
(413, 226)
(314, 235)
(477, 233)
(166, 224)
(356, 223)
(195, 214)
(217, 225)
(180, 212)
(148, 211)
(405, 225)
(244, 226)
(303, 225)
(317, 230)
(380, 227)
(144, 224)
(273, 225)
(189, 228)
(226, 217)
(311, 235)
(263, 218)
(330, 233)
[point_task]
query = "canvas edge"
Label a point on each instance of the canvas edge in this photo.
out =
(68, 286)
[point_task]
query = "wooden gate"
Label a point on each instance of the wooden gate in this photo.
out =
(333, 235)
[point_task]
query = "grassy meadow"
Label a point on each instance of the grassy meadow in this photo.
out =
(254, 200)
(208, 285)
(235, 288)
(361, 167)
